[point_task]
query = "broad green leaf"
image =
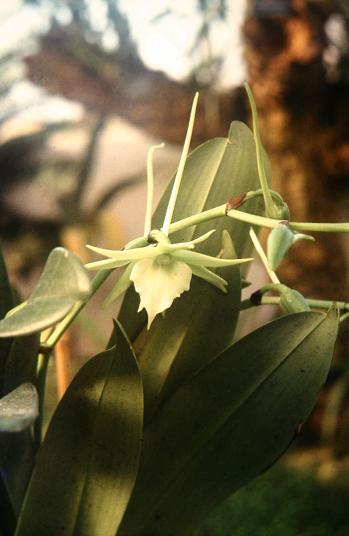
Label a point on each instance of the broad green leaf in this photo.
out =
(229, 422)
(35, 316)
(87, 465)
(190, 333)
(19, 408)
(64, 281)
(63, 276)
(201, 322)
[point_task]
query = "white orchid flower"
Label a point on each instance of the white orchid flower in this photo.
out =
(162, 271)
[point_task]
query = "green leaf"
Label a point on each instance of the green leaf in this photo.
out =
(279, 241)
(19, 408)
(87, 465)
(201, 322)
(17, 449)
(63, 276)
(35, 316)
(229, 422)
(6, 303)
(17, 366)
(64, 281)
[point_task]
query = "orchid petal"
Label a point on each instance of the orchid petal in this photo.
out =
(210, 277)
(197, 240)
(170, 248)
(203, 237)
(301, 236)
(127, 254)
(121, 285)
(105, 264)
(199, 259)
(158, 284)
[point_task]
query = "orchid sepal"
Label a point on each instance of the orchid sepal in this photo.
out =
(210, 277)
(200, 259)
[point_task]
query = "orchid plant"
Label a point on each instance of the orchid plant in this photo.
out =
(178, 412)
(170, 265)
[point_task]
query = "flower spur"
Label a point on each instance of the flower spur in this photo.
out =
(162, 271)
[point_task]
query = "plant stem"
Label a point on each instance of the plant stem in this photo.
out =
(253, 219)
(320, 227)
(220, 211)
(316, 304)
(179, 174)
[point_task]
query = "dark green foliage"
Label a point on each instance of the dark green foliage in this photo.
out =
(17, 449)
(88, 462)
(216, 413)
(281, 503)
(229, 422)
(63, 282)
(19, 408)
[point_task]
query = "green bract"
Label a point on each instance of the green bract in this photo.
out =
(280, 240)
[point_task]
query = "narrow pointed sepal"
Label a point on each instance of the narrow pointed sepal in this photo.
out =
(126, 254)
(210, 277)
(105, 264)
(199, 259)
(203, 237)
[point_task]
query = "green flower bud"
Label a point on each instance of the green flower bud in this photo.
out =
(279, 242)
(292, 301)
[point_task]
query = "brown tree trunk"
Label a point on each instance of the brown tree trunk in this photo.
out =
(304, 130)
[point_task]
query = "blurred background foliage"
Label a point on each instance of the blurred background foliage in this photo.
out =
(86, 86)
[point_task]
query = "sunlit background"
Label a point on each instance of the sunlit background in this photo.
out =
(163, 31)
